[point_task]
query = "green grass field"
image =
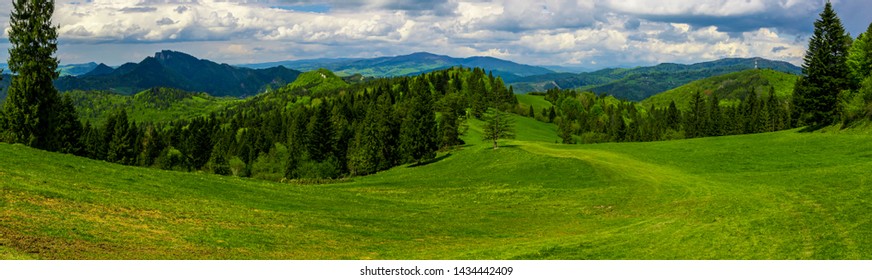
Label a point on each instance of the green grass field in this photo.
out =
(784, 195)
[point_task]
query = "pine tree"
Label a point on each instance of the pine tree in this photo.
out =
(825, 70)
(32, 101)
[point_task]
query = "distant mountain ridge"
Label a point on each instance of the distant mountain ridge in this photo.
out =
(182, 71)
(639, 83)
(411, 64)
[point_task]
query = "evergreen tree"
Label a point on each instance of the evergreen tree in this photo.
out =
(825, 70)
(68, 130)
(320, 134)
(119, 150)
(418, 132)
(551, 115)
(564, 129)
(715, 124)
(151, 146)
(198, 147)
(776, 113)
(696, 117)
(498, 125)
(32, 103)
(673, 116)
(451, 123)
(751, 110)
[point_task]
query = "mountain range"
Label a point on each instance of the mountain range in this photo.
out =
(179, 70)
(411, 64)
(182, 71)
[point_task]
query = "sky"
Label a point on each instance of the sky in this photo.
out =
(583, 33)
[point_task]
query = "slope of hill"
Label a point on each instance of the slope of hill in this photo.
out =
(738, 197)
(182, 71)
(76, 69)
(411, 64)
(99, 70)
(642, 82)
(729, 88)
(317, 81)
(153, 105)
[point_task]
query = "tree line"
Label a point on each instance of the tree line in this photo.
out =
(357, 130)
(588, 118)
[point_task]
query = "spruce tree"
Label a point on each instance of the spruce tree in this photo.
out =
(32, 101)
(825, 70)
(696, 117)
(119, 149)
(673, 116)
(418, 139)
(68, 130)
(320, 134)
(715, 125)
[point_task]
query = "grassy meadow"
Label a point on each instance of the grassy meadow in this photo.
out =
(784, 195)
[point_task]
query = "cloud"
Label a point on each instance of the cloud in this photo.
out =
(130, 10)
(601, 32)
(793, 16)
(165, 21)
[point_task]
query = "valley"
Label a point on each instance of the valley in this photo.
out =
(783, 195)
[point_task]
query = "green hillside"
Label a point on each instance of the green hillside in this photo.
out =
(154, 105)
(638, 83)
(782, 195)
(537, 101)
(730, 88)
(317, 81)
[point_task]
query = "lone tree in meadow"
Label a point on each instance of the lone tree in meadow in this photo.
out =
(825, 70)
(498, 125)
(33, 110)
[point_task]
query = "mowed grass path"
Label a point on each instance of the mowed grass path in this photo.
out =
(781, 195)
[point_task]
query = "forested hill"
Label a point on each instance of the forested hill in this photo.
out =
(729, 88)
(317, 127)
(639, 83)
(182, 71)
